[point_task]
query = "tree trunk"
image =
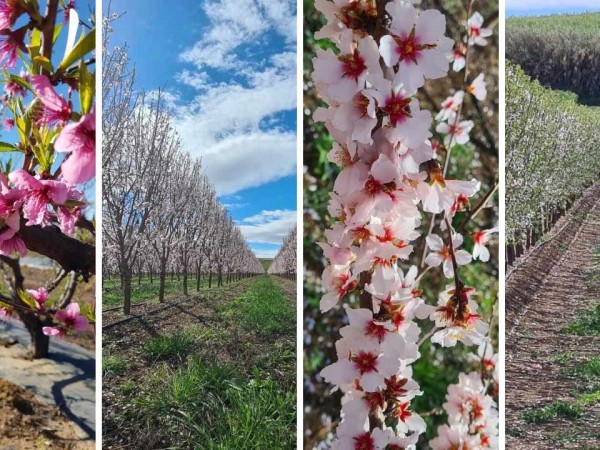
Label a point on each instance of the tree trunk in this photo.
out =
(198, 279)
(163, 275)
(185, 276)
(209, 279)
(40, 343)
(126, 279)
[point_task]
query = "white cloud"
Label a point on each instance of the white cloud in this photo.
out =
(268, 227)
(235, 23)
(535, 5)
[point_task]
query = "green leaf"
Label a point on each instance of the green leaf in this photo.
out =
(87, 82)
(6, 147)
(44, 62)
(57, 30)
(82, 48)
(27, 299)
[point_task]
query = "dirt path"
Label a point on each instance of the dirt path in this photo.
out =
(552, 391)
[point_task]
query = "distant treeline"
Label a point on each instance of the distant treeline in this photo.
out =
(561, 52)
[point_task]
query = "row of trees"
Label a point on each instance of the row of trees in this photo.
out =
(562, 52)
(551, 156)
(159, 210)
(284, 263)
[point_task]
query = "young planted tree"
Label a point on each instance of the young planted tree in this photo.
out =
(49, 113)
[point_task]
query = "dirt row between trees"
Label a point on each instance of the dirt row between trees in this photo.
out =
(553, 337)
(143, 356)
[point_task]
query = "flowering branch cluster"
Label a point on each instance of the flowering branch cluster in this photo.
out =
(50, 109)
(384, 53)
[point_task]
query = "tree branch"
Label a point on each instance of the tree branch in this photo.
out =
(71, 254)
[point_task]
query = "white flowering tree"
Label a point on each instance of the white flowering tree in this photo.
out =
(551, 148)
(284, 263)
(397, 216)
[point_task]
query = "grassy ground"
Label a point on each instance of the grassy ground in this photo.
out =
(143, 290)
(217, 374)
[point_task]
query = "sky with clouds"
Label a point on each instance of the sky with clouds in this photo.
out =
(539, 7)
(229, 71)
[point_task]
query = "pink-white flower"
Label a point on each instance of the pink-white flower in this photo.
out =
(416, 43)
(477, 33)
(478, 88)
(440, 253)
(458, 57)
(40, 296)
(9, 123)
(480, 239)
(70, 319)
(38, 195)
(455, 437)
(439, 194)
(450, 106)
(55, 109)
(6, 313)
(455, 133)
(345, 74)
(338, 282)
(10, 11)
(79, 140)
(352, 435)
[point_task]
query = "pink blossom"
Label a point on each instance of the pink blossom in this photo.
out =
(40, 296)
(39, 194)
(9, 124)
(70, 318)
(10, 43)
(11, 243)
(79, 140)
(54, 107)
(10, 10)
(458, 57)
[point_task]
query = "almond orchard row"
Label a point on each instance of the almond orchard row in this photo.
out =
(551, 145)
(160, 212)
(285, 261)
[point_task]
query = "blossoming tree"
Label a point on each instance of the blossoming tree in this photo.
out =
(284, 263)
(395, 158)
(49, 115)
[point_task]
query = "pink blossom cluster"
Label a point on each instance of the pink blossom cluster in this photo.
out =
(390, 176)
(32, 195)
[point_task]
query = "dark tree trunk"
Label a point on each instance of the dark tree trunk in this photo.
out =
(209, 279)
(185, 277)
(163, 275)
(126, 279)
(40, 343)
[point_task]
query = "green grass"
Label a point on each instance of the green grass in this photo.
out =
(210, 406)
(128, 388)
(585, 324)
(113, 365)
(112, 295)
(555, 410)
(177, 345)
(587, 373)
(263, 308)
(590, 399)
(563, 358)
(588, 23)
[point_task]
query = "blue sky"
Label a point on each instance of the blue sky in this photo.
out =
(229, 71)
(545, 7)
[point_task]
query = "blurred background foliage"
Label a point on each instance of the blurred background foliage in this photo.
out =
(437, 367)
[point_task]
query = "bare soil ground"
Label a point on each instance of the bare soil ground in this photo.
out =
(27, 424)
(551, 402)
(219, 340)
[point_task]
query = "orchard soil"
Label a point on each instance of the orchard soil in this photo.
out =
(205, 313)
(553, 373)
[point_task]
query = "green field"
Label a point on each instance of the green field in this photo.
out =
(220, 374)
